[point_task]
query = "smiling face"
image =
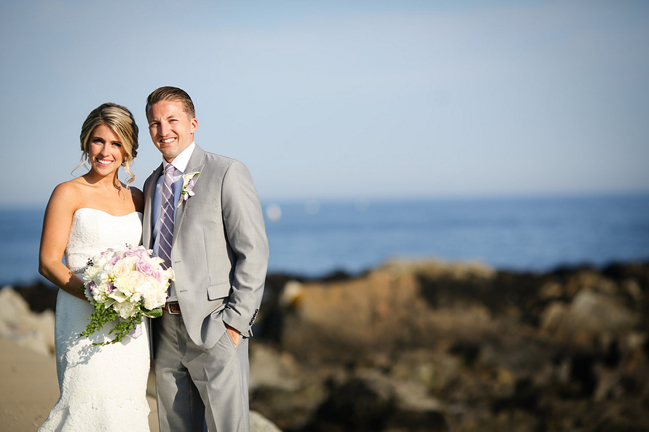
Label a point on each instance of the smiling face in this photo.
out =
(171, 128)
(105, 151)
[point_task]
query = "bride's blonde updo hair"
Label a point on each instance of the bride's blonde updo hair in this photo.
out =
(120, 120)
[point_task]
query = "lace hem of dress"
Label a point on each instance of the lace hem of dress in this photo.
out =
(96, 415)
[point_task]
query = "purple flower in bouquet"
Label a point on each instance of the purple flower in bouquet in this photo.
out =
(146, 268)
(140, 253)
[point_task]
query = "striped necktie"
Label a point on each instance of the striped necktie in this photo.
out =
(167, 217)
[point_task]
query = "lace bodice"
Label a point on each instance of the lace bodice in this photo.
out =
(85, 240)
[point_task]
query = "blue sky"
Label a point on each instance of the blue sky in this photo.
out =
(343, 99)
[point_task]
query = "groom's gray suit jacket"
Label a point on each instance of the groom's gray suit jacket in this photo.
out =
(219, 252)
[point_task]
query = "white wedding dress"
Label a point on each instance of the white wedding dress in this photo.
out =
(103, 388)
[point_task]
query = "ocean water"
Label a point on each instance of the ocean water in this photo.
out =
(315, 238)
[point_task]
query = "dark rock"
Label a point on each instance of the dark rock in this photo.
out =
(436, 346)
(619, 426)
(361, 404)
(582, 372)
(336, 276)
(374, 402)
(526, 397)
(468, 351)
(40, 295)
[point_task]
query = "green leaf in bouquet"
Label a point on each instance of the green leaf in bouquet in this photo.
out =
(155, 313)
(102, 316)
(123, 328)
(99, 318)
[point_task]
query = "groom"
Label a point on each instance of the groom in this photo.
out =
(203, 217)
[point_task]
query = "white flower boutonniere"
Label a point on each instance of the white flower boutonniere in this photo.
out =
(189, 180)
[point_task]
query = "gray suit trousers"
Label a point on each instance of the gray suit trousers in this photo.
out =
(199, 389)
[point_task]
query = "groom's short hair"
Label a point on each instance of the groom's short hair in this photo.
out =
(169, 93)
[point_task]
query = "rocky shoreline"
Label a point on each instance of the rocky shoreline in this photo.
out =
(433, 346)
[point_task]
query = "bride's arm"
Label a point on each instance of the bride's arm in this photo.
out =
(56, 228)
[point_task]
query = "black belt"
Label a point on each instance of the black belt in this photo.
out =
(172, 307)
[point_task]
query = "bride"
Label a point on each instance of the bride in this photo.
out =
(103, 388)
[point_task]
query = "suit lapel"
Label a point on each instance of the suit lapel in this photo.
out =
(195, 164)
(149, 192)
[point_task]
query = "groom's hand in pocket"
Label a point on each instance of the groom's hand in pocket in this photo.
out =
(234, 334)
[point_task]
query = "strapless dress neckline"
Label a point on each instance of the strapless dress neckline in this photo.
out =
(105, 212)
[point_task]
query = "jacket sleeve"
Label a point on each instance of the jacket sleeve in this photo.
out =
(244, 227)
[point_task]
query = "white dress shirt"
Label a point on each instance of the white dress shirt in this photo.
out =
(180, 164)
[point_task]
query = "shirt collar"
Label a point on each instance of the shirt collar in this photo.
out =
(180, 162)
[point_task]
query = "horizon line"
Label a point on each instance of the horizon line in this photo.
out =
(412, 197)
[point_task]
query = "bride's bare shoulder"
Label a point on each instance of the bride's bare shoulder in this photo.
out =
(69, 193)
(75, 185)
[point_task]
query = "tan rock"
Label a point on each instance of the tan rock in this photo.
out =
(29, 330)
(270, 368)
(589, 316)
(550, 290)
(552, 316)
(438, 268)
(631, 287)
(590, 280)
(259, 423)
(383, 310)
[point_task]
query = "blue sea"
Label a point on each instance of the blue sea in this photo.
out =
(312, 238)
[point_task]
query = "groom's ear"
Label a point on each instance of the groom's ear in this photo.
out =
(194, 125)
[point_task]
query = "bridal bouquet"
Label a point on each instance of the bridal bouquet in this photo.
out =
(128, 284)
